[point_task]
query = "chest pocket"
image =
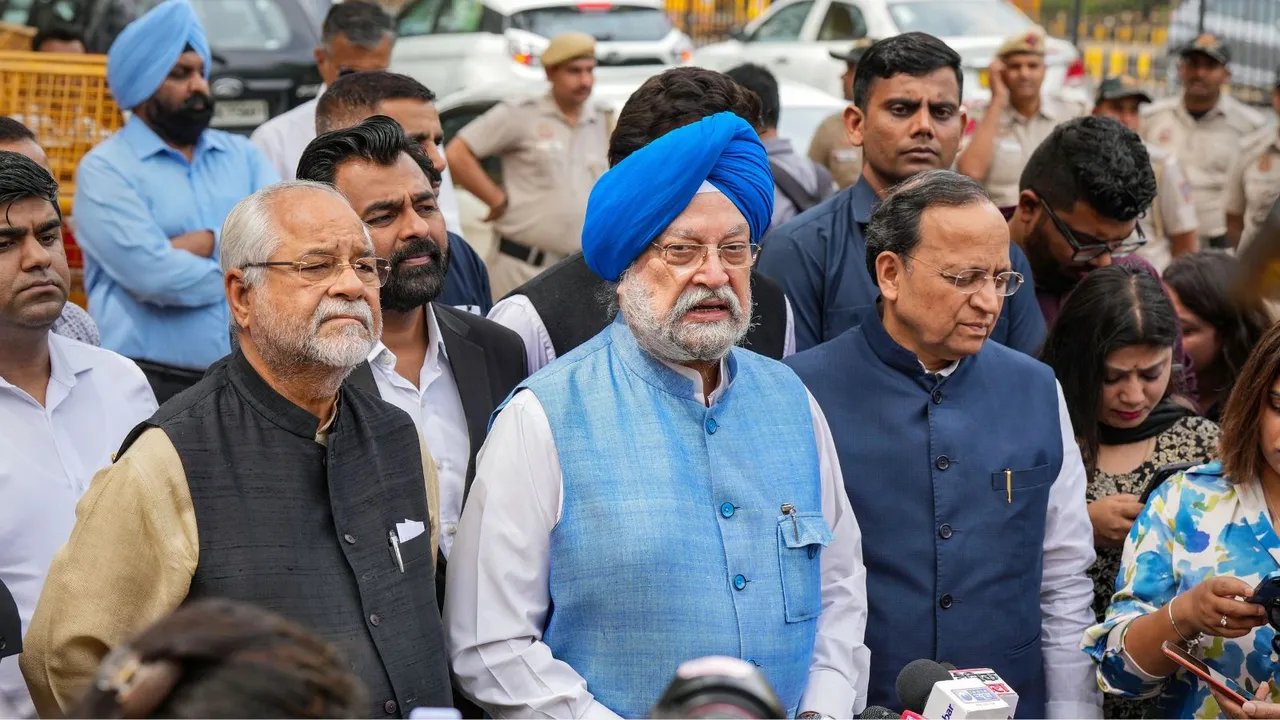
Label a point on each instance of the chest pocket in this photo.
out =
(1022, 502)
(414, 552)
(547, 156)
(801, 538)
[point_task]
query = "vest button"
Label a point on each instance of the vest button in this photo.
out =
(726, 509)
(374, 620)
(739, 582)
(944, 532)
(945, 602)
(943, 462)
(351, 539)
(712, 426)
(937, 397)
(390, 707)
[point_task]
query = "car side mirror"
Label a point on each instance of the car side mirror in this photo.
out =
(739, 34)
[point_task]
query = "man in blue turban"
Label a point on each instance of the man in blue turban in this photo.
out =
(657, 494)
(150, 201)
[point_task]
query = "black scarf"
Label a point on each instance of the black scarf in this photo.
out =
(1162, 417)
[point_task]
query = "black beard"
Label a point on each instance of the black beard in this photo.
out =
(415, 286)
(183, 125)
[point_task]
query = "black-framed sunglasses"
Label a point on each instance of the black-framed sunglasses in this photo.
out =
(1086, 247)
(318, 268)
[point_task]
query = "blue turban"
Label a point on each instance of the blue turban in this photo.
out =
(143, 54)
(637, 199)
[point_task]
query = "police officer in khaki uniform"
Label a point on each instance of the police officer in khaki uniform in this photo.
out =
(830, 146)
(1170, 225)
(1015, 120)
(552, 149)
(1253, 184)
(1206, 129)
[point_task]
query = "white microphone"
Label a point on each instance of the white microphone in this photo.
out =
(994, 683)
(966, 699)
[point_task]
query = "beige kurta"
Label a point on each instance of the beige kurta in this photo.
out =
(1206, 148)
(129, 563)
(1017, 138)
(831, 149)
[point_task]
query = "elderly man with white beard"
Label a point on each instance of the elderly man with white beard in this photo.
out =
(658, 494)
(269, 481)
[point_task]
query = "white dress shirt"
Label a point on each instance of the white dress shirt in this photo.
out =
(436, 408)
(497, 596)
(283, 138)
(517, 313)
(48, 455)
(1066, 592)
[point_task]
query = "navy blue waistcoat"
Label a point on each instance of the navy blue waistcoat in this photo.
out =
(949, 478)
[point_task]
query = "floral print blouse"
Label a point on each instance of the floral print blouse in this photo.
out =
(1195, 526)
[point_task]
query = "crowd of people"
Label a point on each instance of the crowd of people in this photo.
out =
(978, 388)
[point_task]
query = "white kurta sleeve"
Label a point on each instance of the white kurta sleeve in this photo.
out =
(497, 594)
(1066, 592)
(518, 315)
(841, 664)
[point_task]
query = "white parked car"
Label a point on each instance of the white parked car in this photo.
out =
(449, 45)
(803, 108)
(793, 38)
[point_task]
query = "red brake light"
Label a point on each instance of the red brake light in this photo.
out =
(1075, 71)
(590, 6)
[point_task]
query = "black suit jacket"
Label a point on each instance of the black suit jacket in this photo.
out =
(488, 362)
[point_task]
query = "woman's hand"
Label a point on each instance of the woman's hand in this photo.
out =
(1112, 517)
(1256, 708)
(1202, 609)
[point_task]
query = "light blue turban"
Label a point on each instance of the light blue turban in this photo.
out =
(637, 199)
(143, 54)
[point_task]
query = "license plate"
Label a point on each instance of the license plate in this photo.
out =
(238, 113)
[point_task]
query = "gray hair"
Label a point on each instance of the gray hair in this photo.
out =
(365, 24)
(250, 233)
(895, 224)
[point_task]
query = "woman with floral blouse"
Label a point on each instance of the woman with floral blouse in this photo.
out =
(1204, 541)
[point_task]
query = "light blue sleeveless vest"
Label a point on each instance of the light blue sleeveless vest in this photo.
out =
(672, 543)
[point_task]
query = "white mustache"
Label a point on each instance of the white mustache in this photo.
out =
(699, 294)
(331, 307)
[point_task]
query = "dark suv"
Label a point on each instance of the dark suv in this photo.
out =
(262, 49)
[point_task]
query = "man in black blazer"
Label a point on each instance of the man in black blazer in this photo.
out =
(448, 369)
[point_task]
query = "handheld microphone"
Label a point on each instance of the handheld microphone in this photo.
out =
(875, 712)
(915, 683)
(718, 687)
(965, 700)
(994, 683)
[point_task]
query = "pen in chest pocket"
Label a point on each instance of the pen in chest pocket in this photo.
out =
(395, 549)
(1008, 486)
(789, 509)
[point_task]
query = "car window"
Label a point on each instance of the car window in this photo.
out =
(418, 18)
(15, 11)
(460, 16)
(959, 18)
(842, 22)
(243, 24)
(1253, 10)
(785, 24)
(604, 22)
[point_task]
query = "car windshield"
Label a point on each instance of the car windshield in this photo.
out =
(603, 21)
(959, 18)
(243, 24)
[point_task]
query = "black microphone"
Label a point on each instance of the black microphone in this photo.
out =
(718, 687)
(916, 681)
(875, 712)
(10, 624)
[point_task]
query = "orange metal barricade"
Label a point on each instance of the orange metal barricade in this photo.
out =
(16, 37)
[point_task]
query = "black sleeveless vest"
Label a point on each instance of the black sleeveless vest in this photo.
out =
(570, 299)
(302, 530)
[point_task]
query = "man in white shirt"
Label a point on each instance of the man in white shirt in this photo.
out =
(626, 485)
(356, 36)
(65, 406)
(447, 368)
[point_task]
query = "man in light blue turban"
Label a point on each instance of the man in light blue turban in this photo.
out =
(150, 201)
(658, 494)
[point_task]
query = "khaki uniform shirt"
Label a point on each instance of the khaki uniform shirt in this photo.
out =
(129, 563)
(1017, 138)
(1206, 149)
(831, 149)
(1253, 185)
(1172, 213)
(548, 167)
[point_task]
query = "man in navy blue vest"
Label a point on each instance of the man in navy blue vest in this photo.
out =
(626, 515)
(960, 459)
(907, 118)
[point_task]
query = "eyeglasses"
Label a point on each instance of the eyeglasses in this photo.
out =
(1086, 247)
(972, 280)
(689, 256)
(318, 268)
